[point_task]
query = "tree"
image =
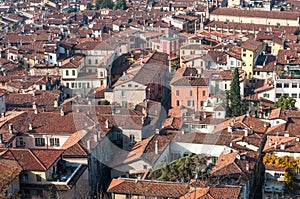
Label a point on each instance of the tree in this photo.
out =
(89, 6)
(228, 110)
(236, 106)
(289, 179)
(181, 170)
(120, 5)
(103, 4)
(286, 102)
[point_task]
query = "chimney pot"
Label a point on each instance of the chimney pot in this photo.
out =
(156, 147)
(55, 104)
(62, 112)
(11, 128)
(96, 137)
(157, 131)
(88, 145)
(30, 127)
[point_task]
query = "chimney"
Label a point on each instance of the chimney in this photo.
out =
(55, 104)
(96, 137)
(156, 147)
(229, 128)
(106, 124)
(34, 106)
(286, 134)
(204, 115)
(247, 167)
(89, 102)
(1, 138)
(144, 111)
(3, 114)
(157, 131)
(62, 113)
(11, 128)
(30, 127)
(230, 144)
(88, 145)
(297, 139)
(182, 131)
(282, 147)
(251, 130)
(270, 142)
(246, 132)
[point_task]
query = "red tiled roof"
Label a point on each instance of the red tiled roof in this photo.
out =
(147, 188)
(191, 81)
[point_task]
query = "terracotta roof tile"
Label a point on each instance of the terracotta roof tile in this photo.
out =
(147, 188)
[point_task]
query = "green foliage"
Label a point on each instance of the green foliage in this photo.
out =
(120, 5)
(289, 179)
(286, 102)
(90, 6)
(181, 170)
(289, 164)
(104, 4)
(235, 105)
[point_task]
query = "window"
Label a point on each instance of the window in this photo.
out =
(25, 177)
(87, 85)
(177, 92)
(231, 63)
(294, 85)
(145, 166)
(177, 103)
(54, 141)
(73, 72)
(129, 85)
(278, 95)
(203, 93)
(38, 178)
(101, 74)
(39, 141)
(294, 95)
(67, 85)
(190, 102)
(203, 126)
(191, 93)
(131, 137)
(279, 85)
(67, 72)
(119, 136)
(123, 93)
(90, 61)
(73, 85)
(96, 61)
(136, 86)
(286, 85)
(267, 95)
(225, 86)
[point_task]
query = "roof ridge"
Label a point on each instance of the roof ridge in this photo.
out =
(37, 158)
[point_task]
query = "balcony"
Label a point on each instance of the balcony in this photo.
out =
(64, 173)
(272, 186)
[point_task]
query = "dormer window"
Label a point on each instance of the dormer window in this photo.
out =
(39, 141)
